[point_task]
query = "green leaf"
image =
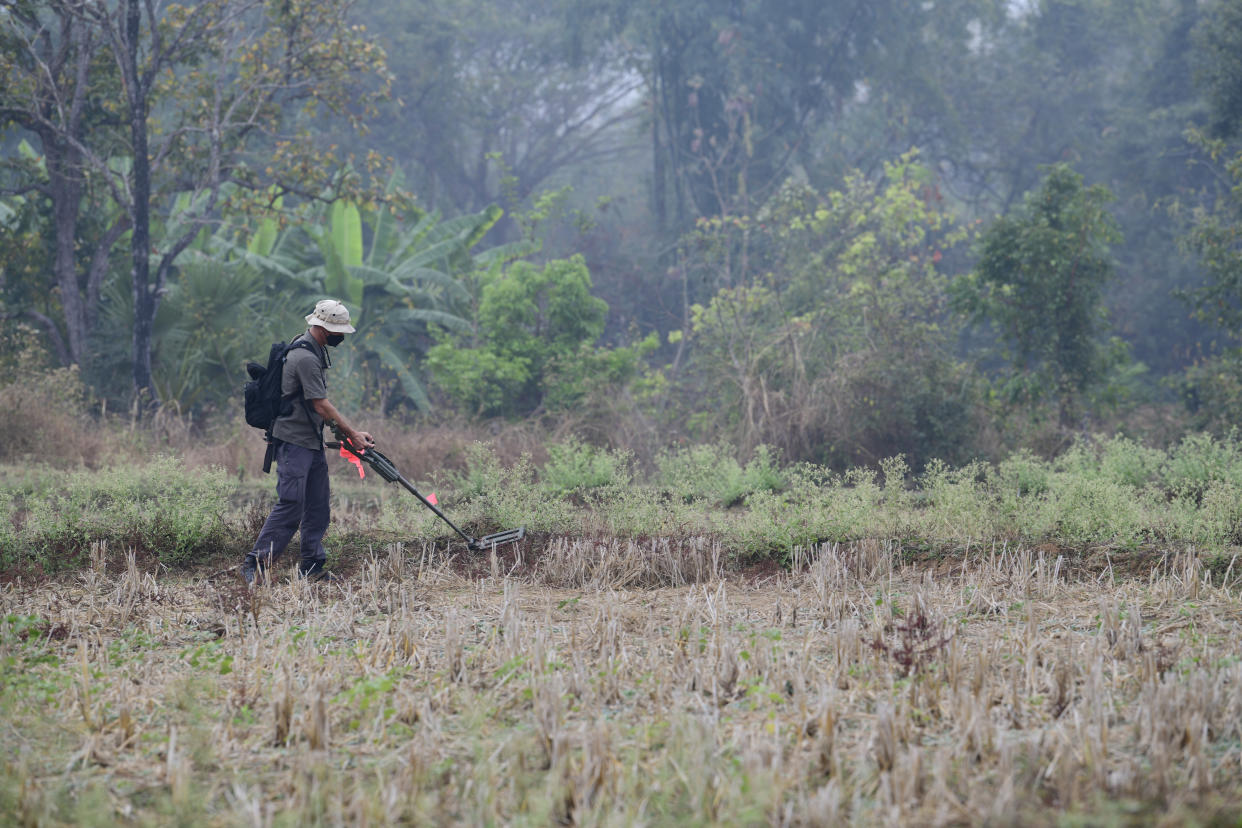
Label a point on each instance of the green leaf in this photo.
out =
(436, 253)
(441, 318)
(347, 232)
(7, 212)
(410, 274)
(373, 277)
(264, 239)
(382, 228)
(502, 254)
(409, 383)
(488, 219)
(415, 234)
(335, 277)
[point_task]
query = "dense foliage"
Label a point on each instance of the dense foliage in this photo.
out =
(1040, 278)
(848, 231)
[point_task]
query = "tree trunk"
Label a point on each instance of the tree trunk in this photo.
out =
(140, 211)
(658, 186)
(57, 120)
(65, 189)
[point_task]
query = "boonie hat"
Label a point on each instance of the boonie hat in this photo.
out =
(332, 315)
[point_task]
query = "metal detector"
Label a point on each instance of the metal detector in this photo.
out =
(385, 469)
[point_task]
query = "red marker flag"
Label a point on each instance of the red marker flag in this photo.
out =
(431, 498)
(353, 458)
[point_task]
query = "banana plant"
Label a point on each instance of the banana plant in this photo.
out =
(397, 275)
(401, 283)
(239, 286)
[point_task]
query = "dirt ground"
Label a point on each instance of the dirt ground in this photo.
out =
(622, 682)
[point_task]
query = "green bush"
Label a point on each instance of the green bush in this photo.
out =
(636, 511)
(160, 508)
(1199, 461)
(813, 507)
(501, 496)
(1081, 510)
(529, 321)
(405, 516)
(712, 474)
(776, 523)
(1212, 391)
(1112, 493)
(574, 466)
(1021, 475)
(957, 503)
(9, 541)
(1129, 463)
(573, 378)
(1212, 521)
(1116, 459)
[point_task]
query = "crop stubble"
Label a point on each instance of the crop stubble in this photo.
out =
(622, 682)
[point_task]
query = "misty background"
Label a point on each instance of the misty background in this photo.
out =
(845, 230)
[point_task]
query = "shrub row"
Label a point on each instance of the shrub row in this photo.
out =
(157, 507)
(1112, 492)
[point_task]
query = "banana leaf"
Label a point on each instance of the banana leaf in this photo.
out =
(409, 383)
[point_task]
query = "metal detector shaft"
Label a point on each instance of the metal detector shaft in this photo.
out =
(409, 487)
(385, 469)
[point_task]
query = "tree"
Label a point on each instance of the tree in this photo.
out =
(499, 96)
(1102, 85)
(835, 346)
(202, 88)
(529, 319)
(1039, 279)
(54, 82)
(1211, 388)
(1215, 236)
(25, 256)
(735, 91)
(1219, 65)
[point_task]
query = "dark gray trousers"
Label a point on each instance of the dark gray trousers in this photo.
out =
(302, 492)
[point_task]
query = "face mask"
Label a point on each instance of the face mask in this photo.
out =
(335, 339)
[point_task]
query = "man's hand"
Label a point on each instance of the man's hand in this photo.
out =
(359, 439)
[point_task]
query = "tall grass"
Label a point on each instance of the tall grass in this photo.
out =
(1109, 494)
(158, 507)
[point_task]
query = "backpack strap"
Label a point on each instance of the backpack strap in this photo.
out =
(270, 454)
(305, 344)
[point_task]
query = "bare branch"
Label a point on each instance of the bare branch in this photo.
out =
(53, 335)
(31, 187)
(99, 266)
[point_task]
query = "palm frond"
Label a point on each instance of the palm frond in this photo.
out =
(444, 319)
(410, 274)
(390, 359)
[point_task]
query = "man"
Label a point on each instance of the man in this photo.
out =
(301, 467)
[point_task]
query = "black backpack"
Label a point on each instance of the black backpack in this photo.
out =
(264, 402)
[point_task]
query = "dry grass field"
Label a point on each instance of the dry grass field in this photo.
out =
(619, 682)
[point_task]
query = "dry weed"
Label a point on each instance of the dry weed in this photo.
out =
(619, 682)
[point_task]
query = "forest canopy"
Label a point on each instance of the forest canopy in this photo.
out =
(842, 230)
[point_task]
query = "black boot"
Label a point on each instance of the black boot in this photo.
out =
(250, 569)
(254, 570)
(314, 571)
